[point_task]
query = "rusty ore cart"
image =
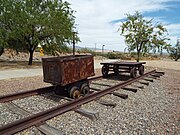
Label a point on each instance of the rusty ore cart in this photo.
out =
(69, 73)
(121, 66)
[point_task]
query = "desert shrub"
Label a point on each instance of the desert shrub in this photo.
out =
(114, 55)
(111, 55)
(86, 50)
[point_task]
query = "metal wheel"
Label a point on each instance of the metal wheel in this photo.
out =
(141, 70)
(74, 92)
(84, 88)
(115, 69)
(105, 70)
(133, 72)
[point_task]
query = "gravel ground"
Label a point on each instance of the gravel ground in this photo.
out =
(153, 110)
(30, 104)
(7, 116)
(149, 111)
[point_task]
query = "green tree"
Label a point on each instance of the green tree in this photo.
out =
(175, 51)
(29, 23)
(141, 35)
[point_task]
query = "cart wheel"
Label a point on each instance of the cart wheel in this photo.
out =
(141, 70)
(105, 70)
(74, 92)
(133, 72)
(115, 69)
(84, 88)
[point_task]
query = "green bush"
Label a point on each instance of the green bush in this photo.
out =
(114, 55)
(111, 55)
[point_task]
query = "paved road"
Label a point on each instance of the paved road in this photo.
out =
(16, 73)
(7, 74)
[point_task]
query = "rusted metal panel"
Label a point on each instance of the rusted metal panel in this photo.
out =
(68, 69)
(86, 68)
(51, 71)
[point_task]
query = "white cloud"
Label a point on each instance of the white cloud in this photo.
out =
(174, 32)
(93, 19)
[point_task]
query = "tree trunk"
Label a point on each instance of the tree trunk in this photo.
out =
(138, 55)
(161, 51)
(176, 59)
(1, 50)
(30, 57)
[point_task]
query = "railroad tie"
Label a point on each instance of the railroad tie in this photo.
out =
(138, 86)
(123, 96)
(155, 75)
(130, 89)
(143, 82)
(88, 113)
(44, 128)
(148, 79)
(106, 102)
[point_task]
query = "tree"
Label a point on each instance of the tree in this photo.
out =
(175, 51)
(141, 35)
(29, 23)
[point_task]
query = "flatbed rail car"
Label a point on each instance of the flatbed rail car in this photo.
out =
(69, 73)
(122, 66)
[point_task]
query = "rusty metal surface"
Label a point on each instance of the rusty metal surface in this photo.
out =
(22, 124)
(66, 70)
(123, 63)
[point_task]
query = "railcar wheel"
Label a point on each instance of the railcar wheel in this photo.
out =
(74, 92)
(84, 88)
(105, 70)
(133, 72)
(115, 69)
(141, 70)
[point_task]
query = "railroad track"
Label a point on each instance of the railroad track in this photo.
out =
(41, 117)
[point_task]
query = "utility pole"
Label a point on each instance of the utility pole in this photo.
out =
(74, 43)
(102, 51)
(95, 49)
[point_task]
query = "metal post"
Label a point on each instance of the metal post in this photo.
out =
(103, 49)
(95, 49)
(73, 43)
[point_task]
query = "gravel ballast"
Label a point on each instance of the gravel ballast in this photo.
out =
(149, 111)
(153, 110)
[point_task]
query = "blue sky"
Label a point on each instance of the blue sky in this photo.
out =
(171, 15)
(98, 20)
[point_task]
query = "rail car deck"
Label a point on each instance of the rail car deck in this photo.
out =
(122, 66)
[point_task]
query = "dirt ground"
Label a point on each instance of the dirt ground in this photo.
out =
(165, 64)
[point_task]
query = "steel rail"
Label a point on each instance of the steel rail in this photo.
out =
(100, 77)
(10, 97)
(48, 114)
(23, 94)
